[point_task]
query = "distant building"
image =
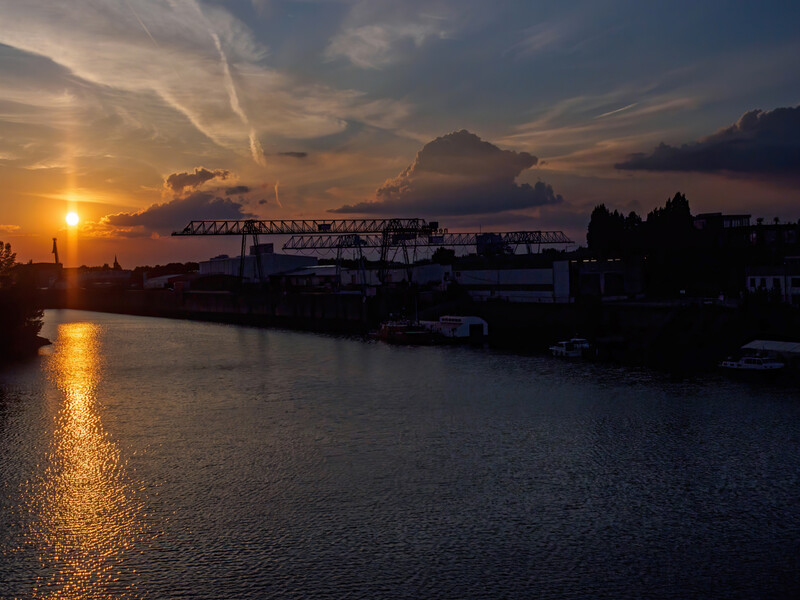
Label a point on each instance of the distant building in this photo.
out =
(544, 284)
(714, 221)
(164, 281)
(44, 275)
(103, 278)
(779, 281)
(610, 279)
(271, 263)
(308, 278)
(434, 275)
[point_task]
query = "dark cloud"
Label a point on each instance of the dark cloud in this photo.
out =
(236, 190)
(178, 181)
(262, 201)
(759, 143)
(459, 174)
(170, 216)
(293, 154)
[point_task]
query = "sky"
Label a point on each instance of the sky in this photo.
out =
(494, 116)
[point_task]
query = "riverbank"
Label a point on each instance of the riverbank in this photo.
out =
(20, 323)
(674, 336)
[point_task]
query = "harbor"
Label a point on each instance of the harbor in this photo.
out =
(149, 457)
(680, 296)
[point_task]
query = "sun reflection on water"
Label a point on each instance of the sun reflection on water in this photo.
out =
(88, 509)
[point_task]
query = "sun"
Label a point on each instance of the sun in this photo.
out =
(72, 219)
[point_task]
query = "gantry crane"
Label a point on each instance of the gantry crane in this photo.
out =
(360, 234)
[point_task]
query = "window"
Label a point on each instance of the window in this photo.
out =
(796, 282)
(776, 283)
(762, 282)
(752, 283)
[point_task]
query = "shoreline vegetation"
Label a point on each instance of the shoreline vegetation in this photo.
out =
(20, 315)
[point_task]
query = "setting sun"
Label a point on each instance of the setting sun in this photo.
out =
(72, 219)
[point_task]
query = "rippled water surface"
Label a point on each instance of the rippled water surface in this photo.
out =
(149, 458)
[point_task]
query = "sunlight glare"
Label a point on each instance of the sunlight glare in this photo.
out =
(72, 219)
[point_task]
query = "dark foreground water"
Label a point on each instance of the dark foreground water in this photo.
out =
(149, 458)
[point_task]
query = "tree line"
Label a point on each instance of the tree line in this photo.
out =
(20, 319)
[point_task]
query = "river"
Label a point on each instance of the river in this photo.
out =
(155, 458)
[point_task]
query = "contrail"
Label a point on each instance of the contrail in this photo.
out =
(255, 146)
(277, 200)
(232, 95)
(150, 35)
(146, 30)
(619, 110)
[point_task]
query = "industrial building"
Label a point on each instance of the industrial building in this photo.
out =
(262, 255)
(543, 284)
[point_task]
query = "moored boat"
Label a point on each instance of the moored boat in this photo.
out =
(405, 332)
(447, 330)
(752, 364)
(572, 348)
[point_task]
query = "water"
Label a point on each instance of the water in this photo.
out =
(149, 458)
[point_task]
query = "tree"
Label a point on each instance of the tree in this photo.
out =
(610, 233)
(7, 260)
(20, 320)
(444, 256)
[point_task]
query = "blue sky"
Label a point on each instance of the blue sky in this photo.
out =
(304, 107)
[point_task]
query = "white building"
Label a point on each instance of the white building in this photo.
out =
(271, 263)
(780, 280)
(546, 284)
(430, 274)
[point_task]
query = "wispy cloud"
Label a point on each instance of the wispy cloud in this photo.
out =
(378, 33)
(617, 111)
(205, 64)
(375, 46)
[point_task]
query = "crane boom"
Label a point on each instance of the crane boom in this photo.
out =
(303, 226)
(328, 242)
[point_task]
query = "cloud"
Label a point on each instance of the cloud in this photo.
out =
(758, 143)
(377, 34)
(170, 216)
(459, 174)
(9, 228)
(236, 190)
(178, 181)
(294, 154)
(199, 59)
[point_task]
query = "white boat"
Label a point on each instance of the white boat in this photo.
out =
(573, 348)
(752, 364)
(459, 328)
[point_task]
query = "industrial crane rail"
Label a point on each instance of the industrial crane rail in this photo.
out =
(304, 226)
(330, 242)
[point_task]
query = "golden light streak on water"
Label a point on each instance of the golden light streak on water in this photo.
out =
(89, 513)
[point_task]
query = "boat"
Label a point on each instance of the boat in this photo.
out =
(572, 348)
(458, 329)
(447, 330)
(752, 364)
(406, 332)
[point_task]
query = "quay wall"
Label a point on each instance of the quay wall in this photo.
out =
(674, 336)
(324, 312)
